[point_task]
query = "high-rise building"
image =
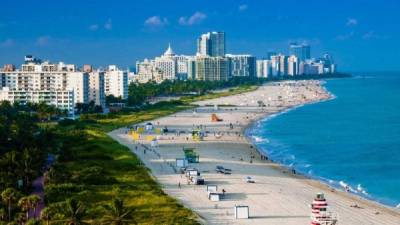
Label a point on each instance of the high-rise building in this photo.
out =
(302, 51)
(61, 99)
(96, 88)
(146, 71)
(182, 66)
(279, 65)
(264, 69)
(275, 65)
(59, 84)
(242, 65)
(211, 44)
(283, 65)
(79, 83)
(293, 66)
(167, 64)
(116, 82)
(212, 68)
(191, 68)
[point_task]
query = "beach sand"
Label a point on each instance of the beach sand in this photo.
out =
(277, 196)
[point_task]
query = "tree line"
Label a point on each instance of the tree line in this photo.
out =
(139, 93)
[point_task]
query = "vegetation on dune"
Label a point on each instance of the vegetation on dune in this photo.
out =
(95, 170)
(140, 93)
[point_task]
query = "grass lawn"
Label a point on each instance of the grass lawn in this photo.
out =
(99, 168)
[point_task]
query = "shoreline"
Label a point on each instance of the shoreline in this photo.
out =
(228, 149)
(322, 180)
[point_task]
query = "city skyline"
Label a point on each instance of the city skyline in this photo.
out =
(101, 37)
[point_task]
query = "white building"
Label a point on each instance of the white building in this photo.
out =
(78, 82)
(116, 82)
(182, 62)
(275, 65)
(55, 84)
(61, 99)
(96, 88)
(146, 71)
(264, 69)
(167, 64)
(293, 66)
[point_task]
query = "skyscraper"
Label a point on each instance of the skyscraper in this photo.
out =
(211, 44)
(301, 51)
(242, 65)
(212, 68)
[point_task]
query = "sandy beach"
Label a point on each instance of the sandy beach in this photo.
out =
(278, 196)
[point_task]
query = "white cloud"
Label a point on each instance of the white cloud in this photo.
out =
(43, 40)
(370, 35)
(156, 21)
(373, 35)
(344, 37)
(108, 24)
(243, 7)
(196, 18)
(7, 43)
(352, 22)
(94, 27)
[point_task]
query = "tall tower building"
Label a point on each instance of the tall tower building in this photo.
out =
(211, 44)
(301, 51)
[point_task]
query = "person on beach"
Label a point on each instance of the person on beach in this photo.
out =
(179, 185)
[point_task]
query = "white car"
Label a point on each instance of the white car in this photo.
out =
(250, 180)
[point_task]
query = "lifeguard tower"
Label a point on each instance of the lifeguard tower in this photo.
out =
(197, 135)
(190, 155)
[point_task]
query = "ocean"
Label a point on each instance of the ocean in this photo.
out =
(352, 140)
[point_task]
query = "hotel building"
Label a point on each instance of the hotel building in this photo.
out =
(242, 65)
(116, 82)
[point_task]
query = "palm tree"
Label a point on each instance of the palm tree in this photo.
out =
(74, 212)
(10, 196)
(118, 214)
(3, 214)
(27, 167)
(34, 201)
(25, 205)
(46, 215)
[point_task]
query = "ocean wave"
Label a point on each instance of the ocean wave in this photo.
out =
(357, 190)
(258, 139)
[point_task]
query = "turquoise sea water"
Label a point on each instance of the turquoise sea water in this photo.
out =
(352, 140)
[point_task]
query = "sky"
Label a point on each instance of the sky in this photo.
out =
(360, 35)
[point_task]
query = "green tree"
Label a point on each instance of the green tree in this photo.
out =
(10, 196)
(74, 212)
(34, 202)
(46, 215)
(25, 206)
(33, 222)
(118, 214)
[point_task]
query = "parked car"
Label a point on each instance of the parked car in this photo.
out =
(250, 180)
(221, 169)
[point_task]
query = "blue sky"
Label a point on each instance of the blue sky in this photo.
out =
(361, 35)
